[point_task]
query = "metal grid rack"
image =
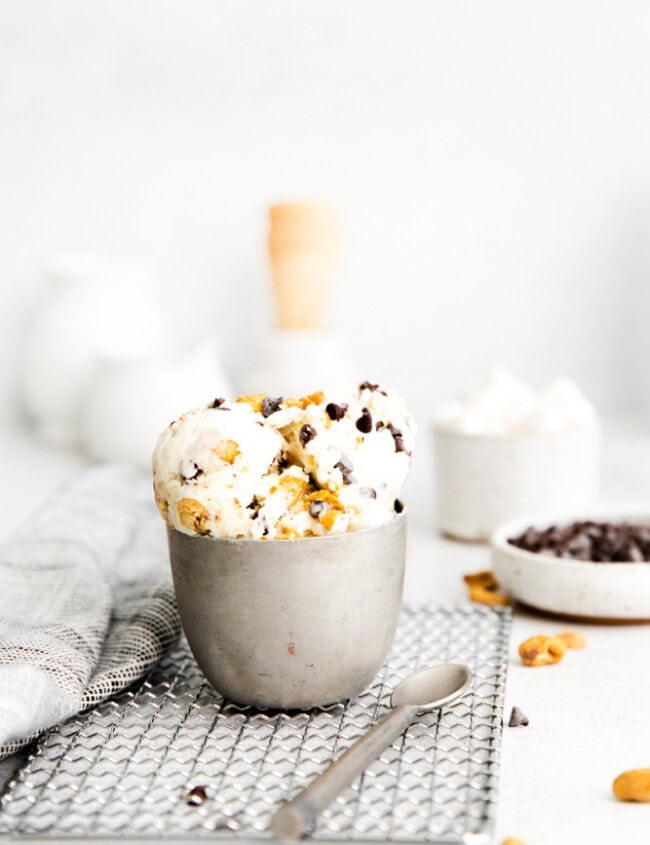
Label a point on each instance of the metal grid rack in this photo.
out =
(124, 768)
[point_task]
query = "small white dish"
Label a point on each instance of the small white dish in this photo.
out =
(484, 480)
(598, 591)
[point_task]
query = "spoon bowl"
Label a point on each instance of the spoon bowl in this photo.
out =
(432, 688)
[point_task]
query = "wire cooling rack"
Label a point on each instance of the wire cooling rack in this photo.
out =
(171, 759)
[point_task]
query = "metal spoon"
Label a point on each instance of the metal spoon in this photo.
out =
(426, 690)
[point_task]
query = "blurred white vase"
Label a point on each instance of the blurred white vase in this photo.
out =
(91, 309)
(300, 356)
(128, 403)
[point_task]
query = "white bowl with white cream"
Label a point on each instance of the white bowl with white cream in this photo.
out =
(505, 451)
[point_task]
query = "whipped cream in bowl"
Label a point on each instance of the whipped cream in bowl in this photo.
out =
(505, 450)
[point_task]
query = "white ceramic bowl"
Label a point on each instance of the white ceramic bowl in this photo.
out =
(608, 591)
(483, 481)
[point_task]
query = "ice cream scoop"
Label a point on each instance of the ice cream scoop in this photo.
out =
(267, 468)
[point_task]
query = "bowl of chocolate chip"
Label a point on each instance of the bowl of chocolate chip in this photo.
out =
(595, 566)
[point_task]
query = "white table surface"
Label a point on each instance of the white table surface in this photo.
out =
(589, 715)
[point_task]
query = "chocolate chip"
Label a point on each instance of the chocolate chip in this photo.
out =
(379, 425)
(518, 719)
(397, 437)
(344, 463)
(283, 461)
(364, 423)
(346, 468)
(216, 403)
(366, 385)
(335, 412)
(270, 405)
(600, 542)
(399, 507)
(255, 506)
(307, 433)
(368, 492)
(190, 471)
(316, 508)
(196, 796)
(634, 552)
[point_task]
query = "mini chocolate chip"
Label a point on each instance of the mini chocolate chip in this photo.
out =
(307, 433)
(196, 796)
(346, 469)
(216, 403)
(270, 405)
(283, 461)
(190, 471)
(602, 542)
(255, 506)
(335, 412)
(633, 552)
(344, 463)
(399, 507)
(379, 425)
(397, 437)
(316, 508)
(366, 385)
(368, 492)
(518, 719)
(364, 423)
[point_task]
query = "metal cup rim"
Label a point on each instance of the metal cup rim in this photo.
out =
(397, 519)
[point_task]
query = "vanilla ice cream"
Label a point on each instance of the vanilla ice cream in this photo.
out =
(271, 468)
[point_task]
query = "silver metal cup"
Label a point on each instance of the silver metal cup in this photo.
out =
(290, 623)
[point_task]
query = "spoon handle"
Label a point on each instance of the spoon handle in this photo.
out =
(298, 816)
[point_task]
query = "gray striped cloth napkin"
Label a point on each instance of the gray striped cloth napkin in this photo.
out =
(86, 605)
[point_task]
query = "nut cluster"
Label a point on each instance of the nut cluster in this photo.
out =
(543, 650)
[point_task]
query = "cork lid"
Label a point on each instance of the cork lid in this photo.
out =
(304, 248)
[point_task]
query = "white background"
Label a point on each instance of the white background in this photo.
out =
(491, 161)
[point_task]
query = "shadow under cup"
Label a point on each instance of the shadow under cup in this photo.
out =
(290, 623)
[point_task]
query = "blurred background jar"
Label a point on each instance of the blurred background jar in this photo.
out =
(92, 308)
(130, 401)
